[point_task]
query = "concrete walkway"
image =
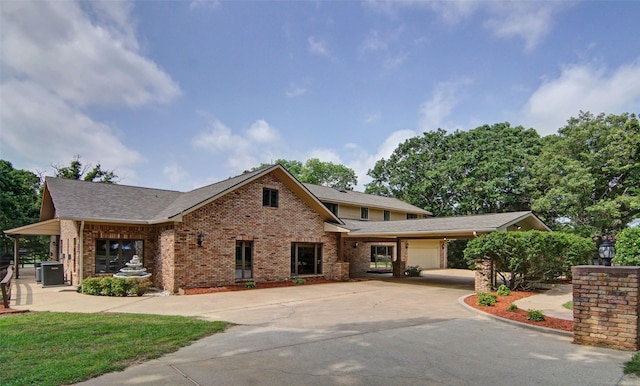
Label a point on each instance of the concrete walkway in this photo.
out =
(375, 332)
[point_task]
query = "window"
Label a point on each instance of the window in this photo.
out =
(411, 216)
(332, 207)
(306, 259)
(364, 213)
(111, 255)
(244, 260)
(381, 256)
(270, 197)
(387, 215)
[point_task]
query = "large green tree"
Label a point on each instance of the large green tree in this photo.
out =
(77, 171)
(317, 172)
(587, 179)
(484, 170)
(19, 201)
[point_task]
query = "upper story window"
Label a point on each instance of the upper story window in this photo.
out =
(364, 213)
(332, 207)
(270, 197)
(411, 216)
(387, 215)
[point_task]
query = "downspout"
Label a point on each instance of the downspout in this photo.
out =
(81, 273)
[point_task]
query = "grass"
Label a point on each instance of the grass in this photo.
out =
(568, 305)
(633, 366)
(55, 348)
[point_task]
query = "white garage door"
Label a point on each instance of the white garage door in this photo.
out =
(425, 253)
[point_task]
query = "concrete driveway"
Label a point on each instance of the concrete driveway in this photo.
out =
(408, 332)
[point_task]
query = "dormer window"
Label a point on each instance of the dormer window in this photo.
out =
(364, 213)
(270, 197)
(387, 215)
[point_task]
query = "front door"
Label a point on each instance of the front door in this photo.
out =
(244, 260)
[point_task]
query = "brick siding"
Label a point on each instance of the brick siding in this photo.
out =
(605, 306)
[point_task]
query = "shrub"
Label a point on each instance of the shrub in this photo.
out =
(113, 286)
(535, 315)
(486, 299)
(298, 280)
(250, 284)
(512, 307)
(628, 247)
(519, 258)
(413, 270)
(140, 286)
(503, 290)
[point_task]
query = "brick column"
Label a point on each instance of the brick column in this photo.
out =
(605, 306)
(483, 276)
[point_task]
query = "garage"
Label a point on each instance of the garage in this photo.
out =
(425, 253)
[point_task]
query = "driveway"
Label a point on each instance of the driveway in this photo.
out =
(376, 332)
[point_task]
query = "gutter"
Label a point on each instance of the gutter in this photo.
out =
(81, 275)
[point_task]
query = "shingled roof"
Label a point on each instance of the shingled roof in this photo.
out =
(327, 194)
(457, 225)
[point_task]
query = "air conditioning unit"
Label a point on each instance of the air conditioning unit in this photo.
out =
(52, 273)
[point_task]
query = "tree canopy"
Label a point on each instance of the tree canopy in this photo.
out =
(587, 178)
(484, 170)
(76, 171)
(317, 172)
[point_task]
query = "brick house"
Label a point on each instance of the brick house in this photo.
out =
(262, 226)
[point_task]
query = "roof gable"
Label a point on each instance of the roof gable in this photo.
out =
(82, 200)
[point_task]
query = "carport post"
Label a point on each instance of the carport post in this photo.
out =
(16, 255)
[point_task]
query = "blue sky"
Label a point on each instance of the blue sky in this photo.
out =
(178, 94)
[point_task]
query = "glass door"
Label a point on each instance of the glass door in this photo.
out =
(244, 260)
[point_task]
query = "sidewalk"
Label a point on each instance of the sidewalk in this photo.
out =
(550, 302)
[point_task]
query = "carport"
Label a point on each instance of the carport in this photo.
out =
(43, 228)
(423, 242)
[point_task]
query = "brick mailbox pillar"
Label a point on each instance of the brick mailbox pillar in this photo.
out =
(605, 306)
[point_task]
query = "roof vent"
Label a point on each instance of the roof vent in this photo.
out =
(340, 190)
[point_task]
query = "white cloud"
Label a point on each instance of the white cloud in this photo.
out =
(380, 41)
(441, 104)
(83, 61)
(295, 90)
(318, 47)
(36, 123)
(174, 173)
(204, 4)
(325, 155)
(531, 21)
(59, 58)
(372, 118)
(257, 144)
(586, 88)
(361, 161)
(392, 62)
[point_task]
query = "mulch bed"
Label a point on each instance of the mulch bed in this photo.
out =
(241, 287)
(500, 310)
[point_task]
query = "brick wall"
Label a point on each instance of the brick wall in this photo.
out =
(483, 276)
(359, 258)
(68, 251)
(605, 306)
(240, 216)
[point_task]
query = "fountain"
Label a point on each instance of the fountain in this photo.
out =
(133, 270)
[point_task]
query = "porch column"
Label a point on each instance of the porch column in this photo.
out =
(399, 264)
(16, 255)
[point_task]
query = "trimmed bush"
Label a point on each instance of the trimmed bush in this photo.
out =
(520, 258)
(413, 270)
(628, 247)
(512, 307)
(485, 299)
(250, 284)
(113, 286)
(503, 290)
(298, 280)
(535, 315)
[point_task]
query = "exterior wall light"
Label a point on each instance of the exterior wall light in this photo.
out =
(355, 244)
(607, 250)
(200, 239)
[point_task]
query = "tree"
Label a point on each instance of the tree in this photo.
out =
(76, 171)
(484, 170)
(317, 172)
(19, 201)
(587, 179)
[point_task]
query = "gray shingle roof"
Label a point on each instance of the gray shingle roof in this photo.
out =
(441, 225)
(327, 194)
(74, 199)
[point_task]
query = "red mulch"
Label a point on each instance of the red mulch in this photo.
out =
(500, 310)
(241, 287)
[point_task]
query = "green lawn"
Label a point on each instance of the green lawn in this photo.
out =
(633, 366)
(55, 348)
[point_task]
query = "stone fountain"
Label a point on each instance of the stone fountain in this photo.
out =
(133, 270)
